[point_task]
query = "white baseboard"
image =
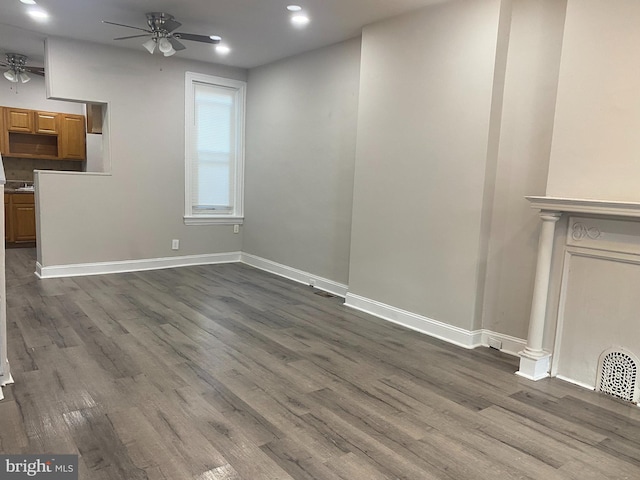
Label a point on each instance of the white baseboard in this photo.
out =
(510, 345)
(443, 331)
(294, 274)
(576, 382)
(4, 381)
(101, 268)
(428, 326)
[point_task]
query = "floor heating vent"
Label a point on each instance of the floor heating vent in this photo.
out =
(618, 374)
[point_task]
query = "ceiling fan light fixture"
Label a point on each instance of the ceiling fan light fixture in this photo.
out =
(165, 46)
(150, 45)
(162, 30)
(11, 76)
(24, 78)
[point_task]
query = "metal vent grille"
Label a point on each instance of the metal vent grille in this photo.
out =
(618, 374)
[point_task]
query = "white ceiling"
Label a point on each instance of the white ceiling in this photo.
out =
(257, 31)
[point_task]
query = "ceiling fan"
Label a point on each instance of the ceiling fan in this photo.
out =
(17, 68)
(161, 30)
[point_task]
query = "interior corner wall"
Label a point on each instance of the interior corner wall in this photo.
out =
(301, 135)
(595, 140)
(526, 128)
(32, 95)
(423, 128)
(135, 212)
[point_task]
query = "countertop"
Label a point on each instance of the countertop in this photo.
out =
(13, 186)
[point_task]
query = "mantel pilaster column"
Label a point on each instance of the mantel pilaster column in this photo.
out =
(534, 361)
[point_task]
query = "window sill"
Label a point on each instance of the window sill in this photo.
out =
(202, 220)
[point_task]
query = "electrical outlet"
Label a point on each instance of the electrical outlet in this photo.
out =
(236, 229)
(495, 343)
(175, 244)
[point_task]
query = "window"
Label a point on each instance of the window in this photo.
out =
(214, 149)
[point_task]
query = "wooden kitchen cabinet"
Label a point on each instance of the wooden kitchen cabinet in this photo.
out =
(46, 123)
(8, 233)
(29, 121)
(18, 120)
(46, 135)
(72, 137)
(3, 149)
(20, 218)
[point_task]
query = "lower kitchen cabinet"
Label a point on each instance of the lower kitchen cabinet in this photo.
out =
(20, 218)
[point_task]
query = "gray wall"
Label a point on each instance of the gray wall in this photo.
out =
(526, 127)
(135, 212)
(396, 165)
(423, 135)
(595, 139)
(32, 95)
(301, 134)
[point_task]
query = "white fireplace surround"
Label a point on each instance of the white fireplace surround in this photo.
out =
(597, 305)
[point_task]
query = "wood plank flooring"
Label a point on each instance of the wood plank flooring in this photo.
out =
(227, 372)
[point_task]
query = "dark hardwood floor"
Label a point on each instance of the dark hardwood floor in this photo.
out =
(227, 372)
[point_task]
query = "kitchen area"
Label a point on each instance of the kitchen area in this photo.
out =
(40, 140)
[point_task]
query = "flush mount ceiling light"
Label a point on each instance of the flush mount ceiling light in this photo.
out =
(17, 69)
(28, 2)
(222, 49)
(299, 19)
(38, 14)
(161, 30)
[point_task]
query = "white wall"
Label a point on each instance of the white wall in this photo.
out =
(423, 134)
(595, 139)
(435, 127)
(32, 95)
(526, 127)
(301, 135)
(135, 212)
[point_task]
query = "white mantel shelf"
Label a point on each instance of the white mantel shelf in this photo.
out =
(577, 205)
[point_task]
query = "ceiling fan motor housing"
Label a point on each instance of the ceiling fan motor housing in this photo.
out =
(162, 22)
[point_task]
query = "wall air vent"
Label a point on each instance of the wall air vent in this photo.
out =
(618, 374)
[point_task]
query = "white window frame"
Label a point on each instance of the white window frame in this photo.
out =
(236, 216)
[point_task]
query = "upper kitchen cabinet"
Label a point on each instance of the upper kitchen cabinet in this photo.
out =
(45, 135)
(19, 120)
(72, 137)
(30, 121)
(46, 123)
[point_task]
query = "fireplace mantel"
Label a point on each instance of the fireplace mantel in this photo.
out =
(620, 244)
(578, 205)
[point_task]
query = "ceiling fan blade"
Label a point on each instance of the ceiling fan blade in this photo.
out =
(170, 25)
(128, 26)
(195, 38)
(35, 70)
(177, 46)
(133, 36)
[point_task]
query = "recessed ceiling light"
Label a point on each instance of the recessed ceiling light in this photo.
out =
(299, 20)
(29, 2)
(294, 8)
(215, 37)
(222, 49)
(38, 14)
